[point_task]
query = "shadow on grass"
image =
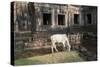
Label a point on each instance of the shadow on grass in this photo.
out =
(59, 57)
(35, 52)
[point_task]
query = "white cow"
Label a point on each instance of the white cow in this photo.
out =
(59, 38)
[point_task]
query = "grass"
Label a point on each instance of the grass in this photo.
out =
(60, 57)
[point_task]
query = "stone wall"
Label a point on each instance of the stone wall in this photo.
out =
(29, 28)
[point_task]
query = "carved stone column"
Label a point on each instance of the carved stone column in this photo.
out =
(53, 17)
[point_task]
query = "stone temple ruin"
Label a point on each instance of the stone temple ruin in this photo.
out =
(35, 22)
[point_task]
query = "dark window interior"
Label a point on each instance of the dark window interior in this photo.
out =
(61, 19)
(89, 18)
(46, 19)
(76, 18)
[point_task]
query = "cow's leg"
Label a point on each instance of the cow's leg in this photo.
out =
(52, 49)
(68, 45)
(64, 47)
(54, 45)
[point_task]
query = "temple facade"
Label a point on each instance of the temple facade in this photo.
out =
(34, 21)
(52, 17)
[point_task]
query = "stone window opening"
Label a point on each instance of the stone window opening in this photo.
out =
(61, 19)
(76, 18)
(46, 19)
(89, 18)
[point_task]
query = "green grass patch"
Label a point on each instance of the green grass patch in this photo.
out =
(60, 57)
